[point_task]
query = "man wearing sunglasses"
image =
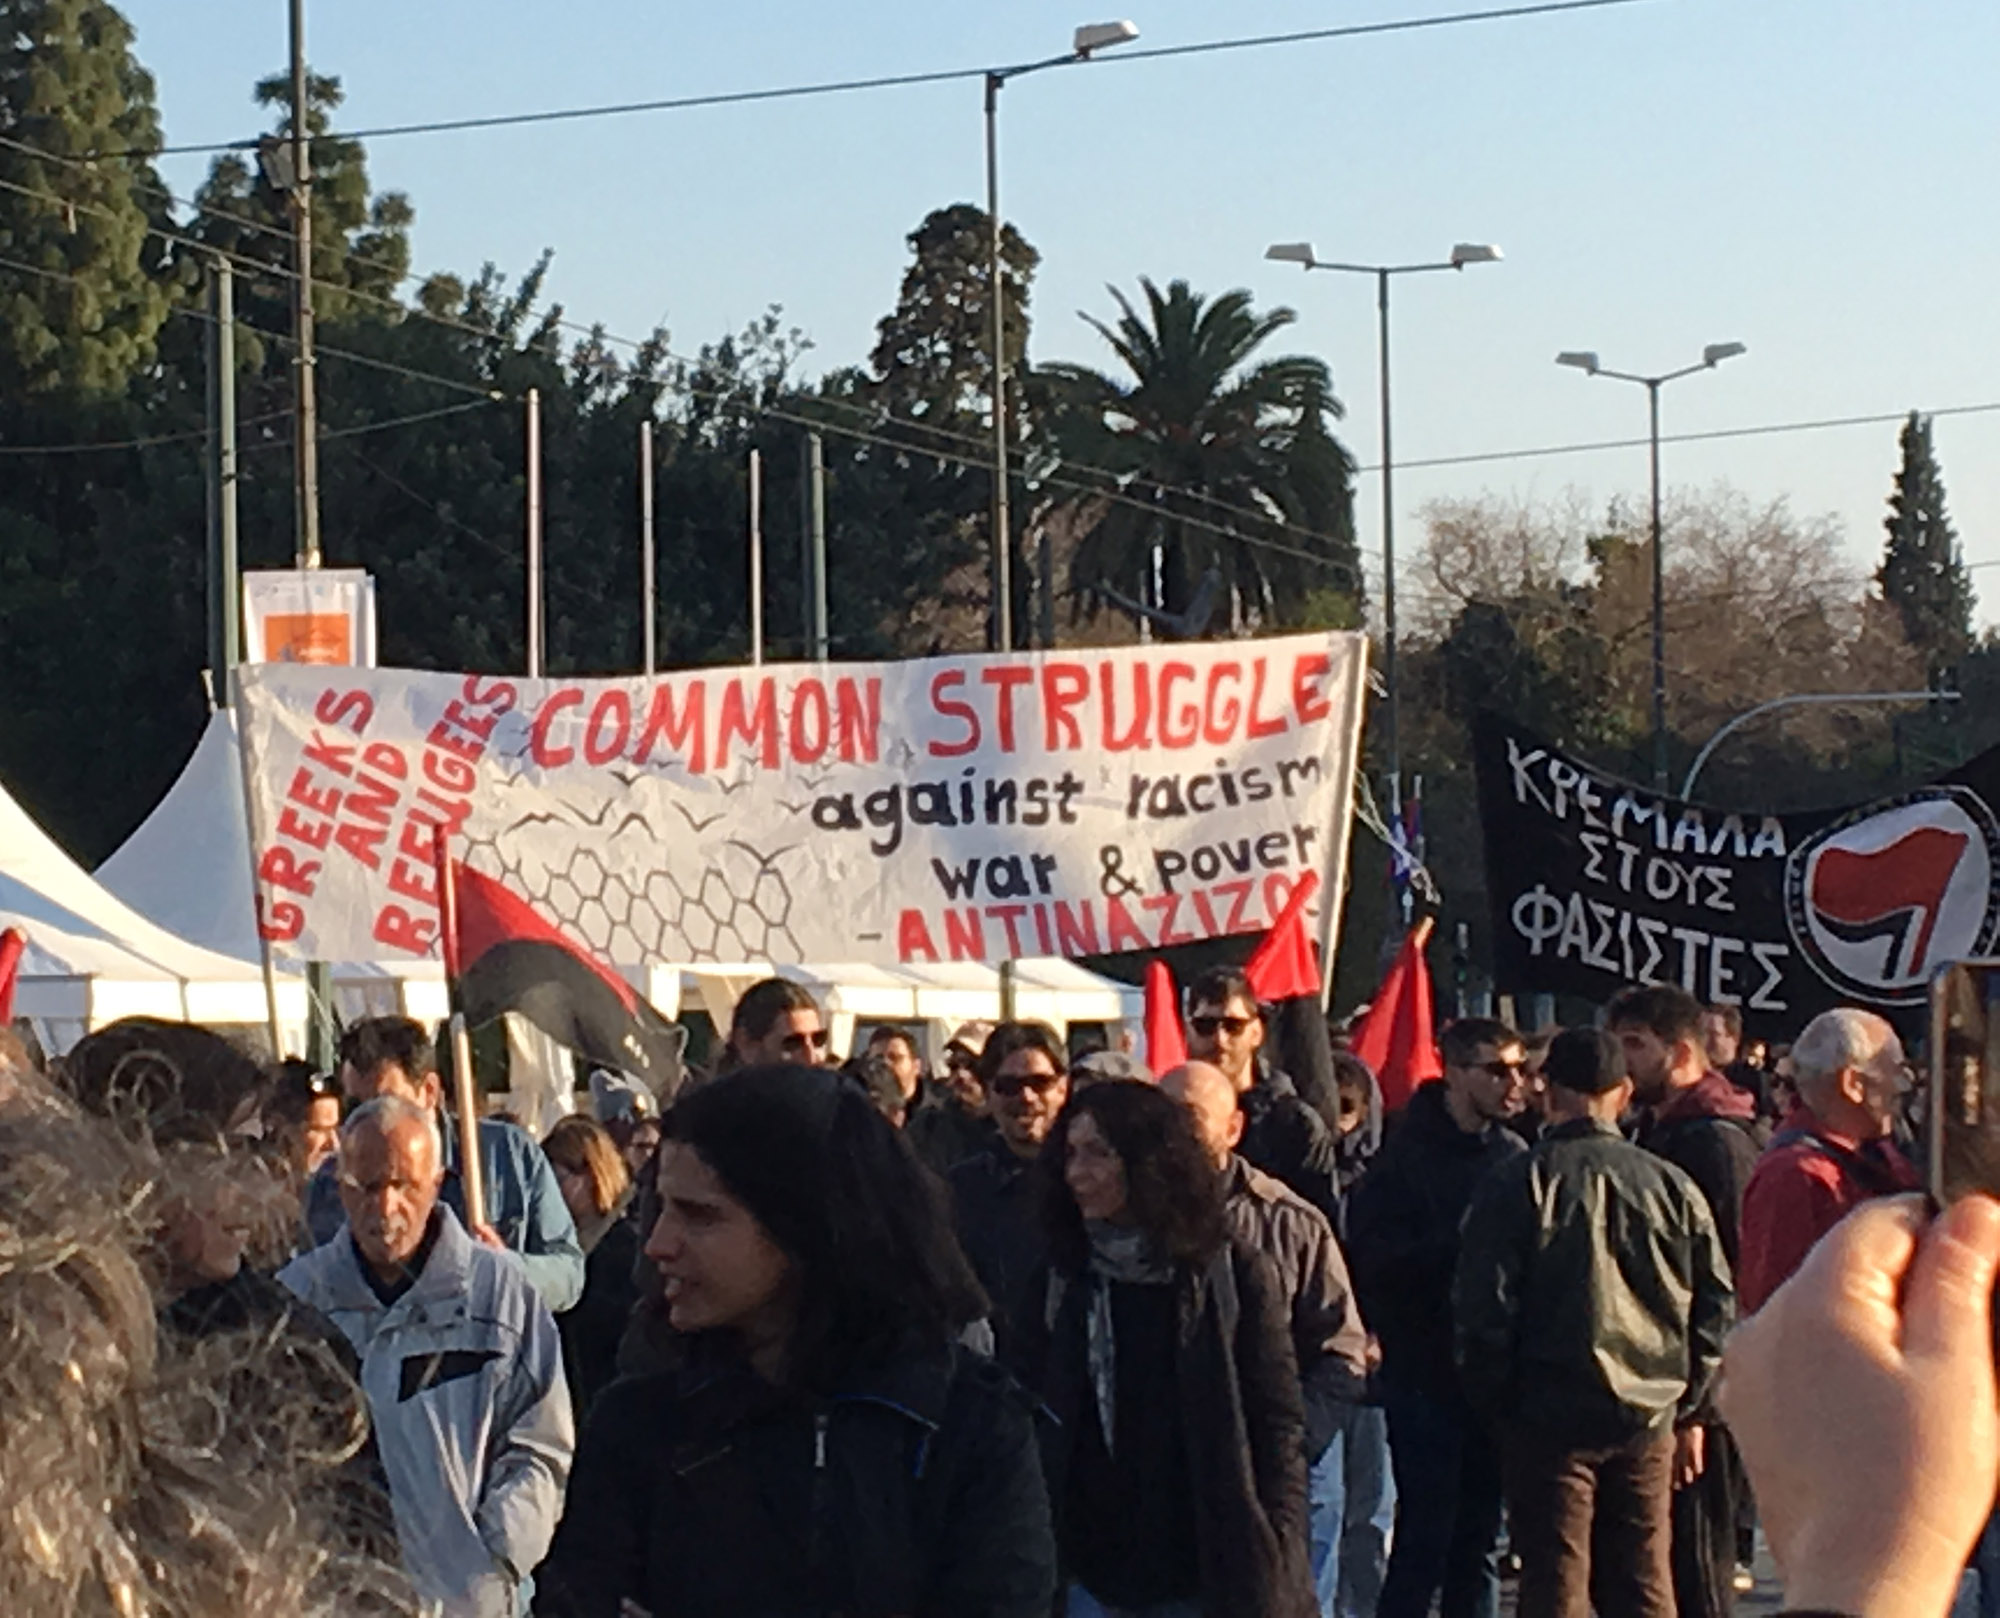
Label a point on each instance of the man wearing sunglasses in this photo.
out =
(1025, 1070)
(1403, 1226)
(776, 1020)
(1282, 1136)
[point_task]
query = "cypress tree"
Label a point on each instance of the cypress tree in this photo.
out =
(1923, 575)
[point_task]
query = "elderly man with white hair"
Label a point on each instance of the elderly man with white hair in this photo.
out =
(461, 1364)
(1831, 1153)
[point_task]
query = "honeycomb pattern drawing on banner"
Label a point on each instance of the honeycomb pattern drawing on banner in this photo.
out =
(613, 886)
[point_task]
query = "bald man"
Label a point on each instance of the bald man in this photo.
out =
(1833, 1151)
(1268, 1217)
(460, 1362)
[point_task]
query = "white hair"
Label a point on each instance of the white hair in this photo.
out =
(1837, 1039)
(382, 1114)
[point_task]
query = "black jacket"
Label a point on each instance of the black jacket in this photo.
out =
(941, 1132)
(592, 1331)
(1591, 1296)
(1710, 1132)
(1000, 1229)
(1403, 1224)
(1290, 1142)
(706, 1493)
(1242, 1422)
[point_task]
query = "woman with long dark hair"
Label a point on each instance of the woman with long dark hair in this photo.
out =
(1177, 1466)
(823, 1446)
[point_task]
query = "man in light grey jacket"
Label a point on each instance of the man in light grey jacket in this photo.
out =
(461, 1364)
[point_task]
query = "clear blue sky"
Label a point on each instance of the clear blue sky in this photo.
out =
(1815, 178)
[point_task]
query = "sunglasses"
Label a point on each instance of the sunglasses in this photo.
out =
(798, 1042)
(1500, 1070)
(1206, 1026)
(1012, 1084)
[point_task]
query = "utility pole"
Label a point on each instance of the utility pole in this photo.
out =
(306, 407)
(813, 497)
(648, 602)
(534, 569)
(756, 557)
(225, 617)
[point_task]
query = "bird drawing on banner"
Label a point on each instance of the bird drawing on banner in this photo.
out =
(1189, 624)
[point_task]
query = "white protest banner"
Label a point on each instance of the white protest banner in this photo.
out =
(941, 809)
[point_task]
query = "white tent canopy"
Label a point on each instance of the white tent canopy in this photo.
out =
(941, 997)
(92, 959)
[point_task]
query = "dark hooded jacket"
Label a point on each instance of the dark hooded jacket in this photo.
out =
(1355, 1150)
(1289, 1141)
(1710, 1132)
(1403, 1236)
(1241, 1425)
(704, 1492)
(1000, 1230)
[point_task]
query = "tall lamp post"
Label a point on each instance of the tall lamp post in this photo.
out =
(1586, 362)
(1089, 39)
(1464, 253)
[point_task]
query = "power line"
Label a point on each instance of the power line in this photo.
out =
(1490, 457)
(486, 395)
(889, 81)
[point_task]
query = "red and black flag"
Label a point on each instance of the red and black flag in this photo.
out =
(502, 956)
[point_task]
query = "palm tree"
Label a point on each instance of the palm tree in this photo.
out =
(1204, 461)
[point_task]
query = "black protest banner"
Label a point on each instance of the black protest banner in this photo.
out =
(1597, 884)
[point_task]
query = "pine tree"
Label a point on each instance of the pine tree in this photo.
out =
(1922, 574)
(70, 89)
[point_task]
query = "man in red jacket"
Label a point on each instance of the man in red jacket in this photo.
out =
(1832, 1151)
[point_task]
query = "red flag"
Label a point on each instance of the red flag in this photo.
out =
(506, 956)
(1285, 965)
(1397, 1038)
(12, 942)
(1166, 1045)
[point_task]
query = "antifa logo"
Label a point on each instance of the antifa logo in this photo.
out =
(1878, 900)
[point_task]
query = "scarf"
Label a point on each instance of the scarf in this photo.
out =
(1117, 1253)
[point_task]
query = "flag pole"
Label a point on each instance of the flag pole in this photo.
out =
(471, 1172)
(234, 676)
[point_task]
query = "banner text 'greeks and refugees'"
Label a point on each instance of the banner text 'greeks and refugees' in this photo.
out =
(942, 809)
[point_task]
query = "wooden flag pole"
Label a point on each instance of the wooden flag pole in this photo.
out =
(471, 1171)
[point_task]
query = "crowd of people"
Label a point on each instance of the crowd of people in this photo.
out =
(1021, 1337)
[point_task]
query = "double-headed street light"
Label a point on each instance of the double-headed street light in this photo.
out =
(1463, 254)
(1587, 362)
(1088, 40)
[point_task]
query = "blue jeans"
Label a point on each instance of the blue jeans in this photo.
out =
(1353, 1508)
(1082, 1604)
(1448, 1507)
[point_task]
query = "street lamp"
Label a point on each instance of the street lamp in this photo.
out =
(1301, 253)
(1586, 361)
(1087, 41)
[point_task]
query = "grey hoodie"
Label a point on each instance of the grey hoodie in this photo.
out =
(464, 1380)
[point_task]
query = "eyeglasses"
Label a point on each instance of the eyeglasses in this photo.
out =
(1232, 1026)
(1012, 1084)
(798, 1042)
